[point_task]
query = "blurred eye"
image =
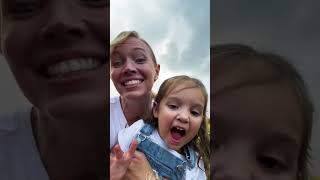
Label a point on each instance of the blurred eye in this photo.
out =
(272, 164)
(23, 8)
(96, 3)
(217, 146)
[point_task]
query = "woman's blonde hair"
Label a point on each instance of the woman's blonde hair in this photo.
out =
(123, 36)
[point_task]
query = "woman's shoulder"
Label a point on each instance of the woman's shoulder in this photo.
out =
(114, 99)
(11, 121)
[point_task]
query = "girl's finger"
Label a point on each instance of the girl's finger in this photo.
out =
(117, 151)
(133, 148)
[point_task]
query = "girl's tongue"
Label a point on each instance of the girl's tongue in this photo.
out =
(177, 134)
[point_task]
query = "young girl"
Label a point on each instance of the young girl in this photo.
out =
(175, 138)
(262, 116)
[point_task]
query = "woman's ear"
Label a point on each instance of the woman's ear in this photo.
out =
(157, 72)
(155, 109)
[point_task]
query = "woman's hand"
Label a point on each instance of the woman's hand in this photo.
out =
(120, 161)
(140, 168)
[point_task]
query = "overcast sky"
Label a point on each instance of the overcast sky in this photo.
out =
(177, 30)
(289, 28)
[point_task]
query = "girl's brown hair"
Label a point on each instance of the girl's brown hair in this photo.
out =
(201, 141)
(262, 68)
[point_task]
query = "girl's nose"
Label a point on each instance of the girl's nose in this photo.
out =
(183, 116)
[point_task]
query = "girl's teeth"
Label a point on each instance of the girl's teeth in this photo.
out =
(72, 66)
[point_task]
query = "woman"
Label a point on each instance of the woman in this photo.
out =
(133, 70)
(56, 51)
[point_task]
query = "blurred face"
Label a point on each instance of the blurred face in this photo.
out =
(180, 115)
(258, 132)
(57, 52)
(132, 69)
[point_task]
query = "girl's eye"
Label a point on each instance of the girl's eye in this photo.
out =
(272, 164)
(172, 106)
(195, 113)
(96, 3)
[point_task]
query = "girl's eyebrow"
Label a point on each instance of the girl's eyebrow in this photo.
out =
(281, 139)
(197, 105)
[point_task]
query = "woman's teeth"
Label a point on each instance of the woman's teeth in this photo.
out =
(72, 66)
(132, 82)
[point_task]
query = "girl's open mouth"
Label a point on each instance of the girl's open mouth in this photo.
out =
(177, 133)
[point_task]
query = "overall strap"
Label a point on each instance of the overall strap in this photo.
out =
(191, 157)
(165, 157)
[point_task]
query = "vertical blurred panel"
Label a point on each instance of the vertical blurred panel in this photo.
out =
(54, 66)
(286, 28)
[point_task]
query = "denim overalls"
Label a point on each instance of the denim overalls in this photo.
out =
(166, 164)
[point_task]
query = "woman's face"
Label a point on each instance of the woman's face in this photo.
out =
(132, 69)
(258, 133)
(57, 52)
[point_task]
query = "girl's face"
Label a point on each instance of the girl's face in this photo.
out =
(57, 52)
(257, 133)
(180, 115)
(132, 69)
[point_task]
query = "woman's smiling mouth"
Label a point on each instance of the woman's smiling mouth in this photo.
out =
(132, 83)
(62, 69)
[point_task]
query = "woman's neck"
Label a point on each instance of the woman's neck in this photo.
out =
(71, 148)
(135, 109)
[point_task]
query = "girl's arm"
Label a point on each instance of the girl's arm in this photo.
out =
(120, 161)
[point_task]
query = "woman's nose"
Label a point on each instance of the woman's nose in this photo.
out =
(62, 22)
(129, 67)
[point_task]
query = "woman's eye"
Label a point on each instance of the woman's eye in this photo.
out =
(140, 60)
(96, 3)
(272, 164)
(116, 63)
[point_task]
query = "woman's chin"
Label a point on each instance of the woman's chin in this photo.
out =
(76, 107)
(134, 95)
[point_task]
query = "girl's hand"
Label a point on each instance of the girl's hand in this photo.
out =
(120, 161)
(140, 168)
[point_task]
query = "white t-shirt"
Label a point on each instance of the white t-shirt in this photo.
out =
(19, 156)
(117, 120)
(126, 136)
